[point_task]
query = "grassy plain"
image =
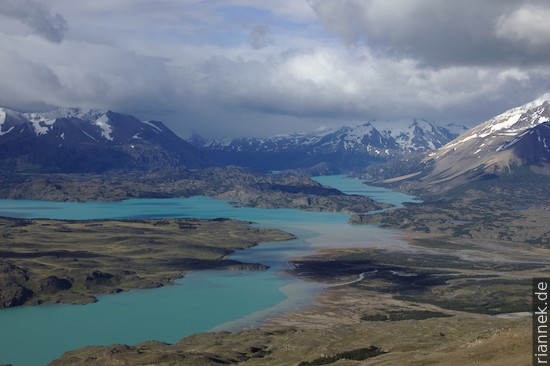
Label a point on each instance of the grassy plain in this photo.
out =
(71, 261)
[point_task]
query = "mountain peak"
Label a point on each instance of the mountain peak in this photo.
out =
(540, 100)
(77, 139)
(87, 114)
(517, 137)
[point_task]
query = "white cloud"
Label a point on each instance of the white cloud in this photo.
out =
(527, 26)
(513, 74)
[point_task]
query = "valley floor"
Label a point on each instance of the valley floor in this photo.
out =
(440, 302)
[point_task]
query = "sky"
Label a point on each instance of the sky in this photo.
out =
(227, 68)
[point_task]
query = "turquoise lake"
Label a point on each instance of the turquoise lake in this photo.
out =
(201, 301)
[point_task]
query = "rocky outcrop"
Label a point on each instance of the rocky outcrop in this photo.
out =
(53, 284)
(12, 284)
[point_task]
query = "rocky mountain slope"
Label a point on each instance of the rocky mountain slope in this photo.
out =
(76, 140)
(345, 147)
(514, 142)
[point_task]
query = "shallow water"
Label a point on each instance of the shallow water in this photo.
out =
(201, 301)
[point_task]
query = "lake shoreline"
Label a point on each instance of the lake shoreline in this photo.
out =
(54, 271)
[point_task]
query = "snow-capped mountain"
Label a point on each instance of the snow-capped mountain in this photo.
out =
(346, 147)
(517, 138)
(78, 140)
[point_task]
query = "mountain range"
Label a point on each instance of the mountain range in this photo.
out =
(347, 147)
(78, 140)
(88, 140)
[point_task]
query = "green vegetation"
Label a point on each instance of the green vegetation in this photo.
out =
(360, 354)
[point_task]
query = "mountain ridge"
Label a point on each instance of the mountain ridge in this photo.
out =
(347, 147)
(518, 137)
(89, 140)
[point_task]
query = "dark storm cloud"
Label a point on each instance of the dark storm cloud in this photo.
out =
(442, 32)
(37, 16)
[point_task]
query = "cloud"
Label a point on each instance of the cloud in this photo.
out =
(250, 67)
(25, 83)
(527, 27)
(295, 11)
(37, 16)
(440, 33)
(330, 83)
(260, 36)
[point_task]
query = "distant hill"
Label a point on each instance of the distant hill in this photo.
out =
(77, 140)
(348, 147)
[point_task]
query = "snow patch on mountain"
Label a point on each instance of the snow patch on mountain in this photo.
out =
(106, 129)
(506, 124)
(87, 134)
(80, 113)
(6, 132)
(41, 124)
(157, 129)
(512, 142)
(2, 120)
